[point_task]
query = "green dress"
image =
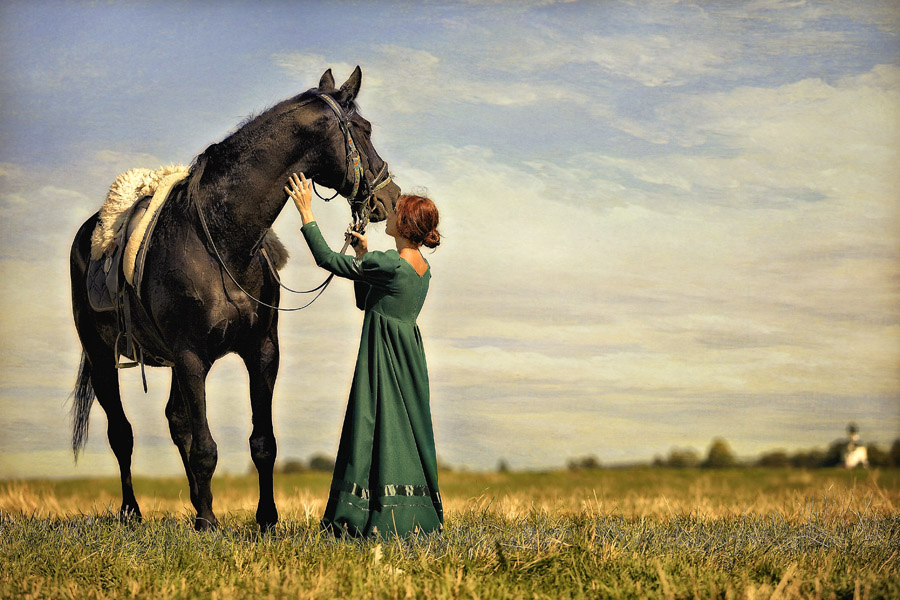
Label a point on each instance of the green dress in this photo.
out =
(385, 475)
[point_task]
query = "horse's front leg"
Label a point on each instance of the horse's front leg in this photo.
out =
(190, 371)
(262, 366)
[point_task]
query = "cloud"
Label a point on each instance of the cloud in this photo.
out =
(786, 145)
(588, 290)
(32, 222)
(655, 60)
(11, 172)
(429, 83)
(798, 118)
(302, 65)
(126, 160)
(736, 247)
(67, 68)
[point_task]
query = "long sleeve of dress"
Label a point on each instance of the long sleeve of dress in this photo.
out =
(374, 268)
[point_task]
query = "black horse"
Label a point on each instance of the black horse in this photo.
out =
(192, 312)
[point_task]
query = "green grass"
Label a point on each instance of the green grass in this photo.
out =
(639, 533)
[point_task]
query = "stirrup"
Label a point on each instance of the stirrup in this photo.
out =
(128, 365)
(122, 365)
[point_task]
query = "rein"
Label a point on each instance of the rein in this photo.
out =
(361, 209)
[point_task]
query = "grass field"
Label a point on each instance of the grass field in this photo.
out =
(631, 533)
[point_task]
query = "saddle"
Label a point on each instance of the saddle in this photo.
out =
(105, 276)
(121, 266)
(128, 249)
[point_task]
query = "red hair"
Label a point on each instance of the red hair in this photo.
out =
(417, 220)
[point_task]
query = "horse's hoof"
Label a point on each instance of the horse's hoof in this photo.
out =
(130, 514)
(201, 524)
(267, 527)
(266, 518)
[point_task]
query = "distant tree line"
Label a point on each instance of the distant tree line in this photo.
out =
(584, 463)
(721, 456)
(830, 457)
(316, 462)
(718, 456)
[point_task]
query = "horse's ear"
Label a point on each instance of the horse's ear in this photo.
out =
(351, 87)
(326, 83)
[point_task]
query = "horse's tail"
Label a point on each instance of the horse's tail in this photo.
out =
(82, 399)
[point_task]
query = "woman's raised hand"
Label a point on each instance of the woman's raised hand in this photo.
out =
(358, 242)
(300, 191)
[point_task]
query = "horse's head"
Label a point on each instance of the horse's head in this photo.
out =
(368, 185)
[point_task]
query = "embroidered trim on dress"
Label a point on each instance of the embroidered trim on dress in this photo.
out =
(436, 507)
(390, 490)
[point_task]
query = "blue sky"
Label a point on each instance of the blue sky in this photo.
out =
(665, 221)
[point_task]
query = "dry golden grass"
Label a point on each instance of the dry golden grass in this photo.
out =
(629, 493)
(635, 533)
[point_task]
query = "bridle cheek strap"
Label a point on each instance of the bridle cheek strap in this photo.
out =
(354, 161)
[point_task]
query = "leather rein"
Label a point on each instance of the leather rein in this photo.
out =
(361, 201)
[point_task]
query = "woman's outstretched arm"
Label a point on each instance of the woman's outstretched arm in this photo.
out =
(300, 190)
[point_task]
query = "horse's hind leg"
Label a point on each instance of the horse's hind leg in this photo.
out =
(180, 429)
(262, 366)
(105, 380)
(190, 371)
(101, 364)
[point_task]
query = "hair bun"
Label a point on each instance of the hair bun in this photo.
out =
(432, 239)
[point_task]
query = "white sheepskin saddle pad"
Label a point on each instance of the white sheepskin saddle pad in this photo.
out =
(135, 184)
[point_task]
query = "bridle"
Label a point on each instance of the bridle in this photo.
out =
(361, 199)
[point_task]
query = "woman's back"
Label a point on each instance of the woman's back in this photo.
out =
(400, 294)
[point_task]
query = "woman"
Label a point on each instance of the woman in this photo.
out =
(385, 475)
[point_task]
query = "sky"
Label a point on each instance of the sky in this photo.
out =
(664, 222)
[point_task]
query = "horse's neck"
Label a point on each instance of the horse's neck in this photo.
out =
(246, 192)
(239, 213)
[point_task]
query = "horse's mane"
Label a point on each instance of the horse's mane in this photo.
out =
(217, 156)
(249, 128)
(258, 119)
